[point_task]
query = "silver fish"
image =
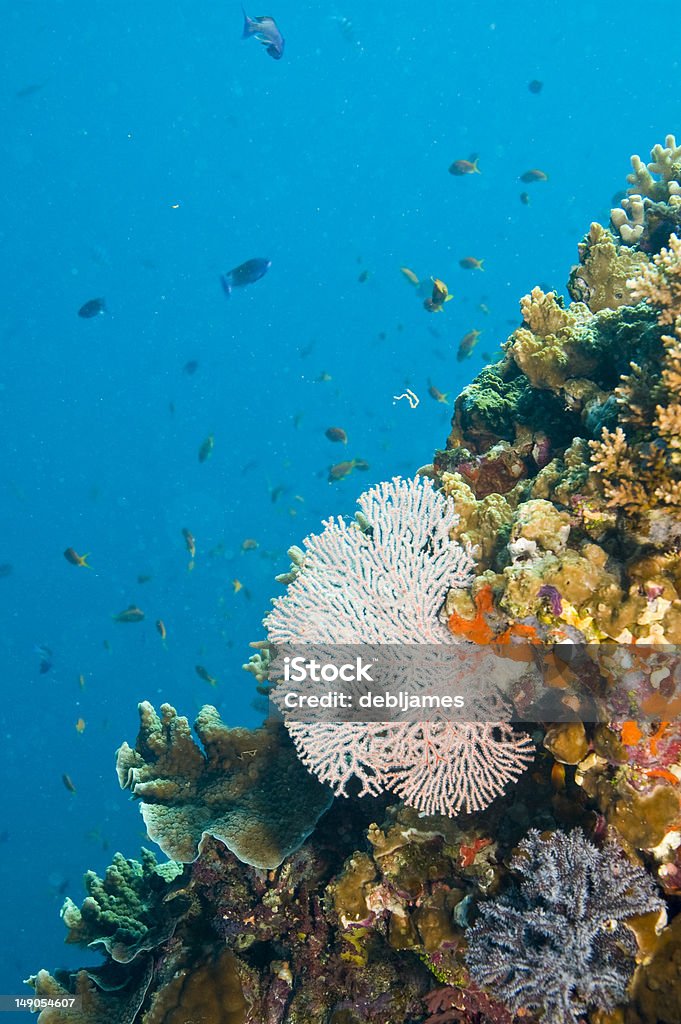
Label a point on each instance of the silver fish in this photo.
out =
(265, 31)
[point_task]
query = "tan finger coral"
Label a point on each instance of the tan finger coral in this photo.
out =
(665, 165)
(659, 283)
(652, 208)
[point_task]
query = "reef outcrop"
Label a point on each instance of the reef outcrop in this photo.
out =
(558, 899)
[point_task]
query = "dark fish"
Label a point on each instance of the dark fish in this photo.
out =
(204, 674)
(206, 449)
(66, 779)
(440, 295)
(471, 263)
(343, 469)
(364, 276)
(92, 308)
(191, 367)
(6, 569)
(245, 273)
(336, 434)
(524, 199)
(30, 90)
(438, 395)
(45, 658)
(266, 32)
(534, 175)
(535, 86)
(131, 614)
(74, 558)
(467, 344)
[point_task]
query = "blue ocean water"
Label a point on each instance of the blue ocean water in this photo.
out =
(146, 149)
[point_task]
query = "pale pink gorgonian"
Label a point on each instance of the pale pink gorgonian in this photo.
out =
(383, 580)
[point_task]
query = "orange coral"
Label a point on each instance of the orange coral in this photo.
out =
(478, 629)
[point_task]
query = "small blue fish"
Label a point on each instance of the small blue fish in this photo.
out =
(265, 30)
(245, 273)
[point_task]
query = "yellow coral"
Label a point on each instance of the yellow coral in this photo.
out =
(659, 282)
(547, 349)
(603, 278)
(542, 314)
(643, 477)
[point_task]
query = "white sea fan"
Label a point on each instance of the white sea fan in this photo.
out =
(386, 585)
(382, 587)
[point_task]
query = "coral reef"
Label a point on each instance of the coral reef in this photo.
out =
(254, 947)
(557, 943)
(549, 527)
(248, 789)
(640, 463)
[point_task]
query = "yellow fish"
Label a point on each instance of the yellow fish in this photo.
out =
(410, 276)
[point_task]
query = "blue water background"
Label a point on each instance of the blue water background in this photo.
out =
(158, 151)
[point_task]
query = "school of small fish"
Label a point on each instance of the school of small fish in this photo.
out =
(432, 291)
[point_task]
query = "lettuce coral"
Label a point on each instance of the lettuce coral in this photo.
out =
(248, 789)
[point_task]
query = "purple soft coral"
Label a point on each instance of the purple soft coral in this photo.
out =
(557, 942)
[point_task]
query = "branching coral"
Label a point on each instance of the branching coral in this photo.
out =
(659, 282)
(641, 474)
(130, 910)
(558, 943)
(654, 179)
(652, 210)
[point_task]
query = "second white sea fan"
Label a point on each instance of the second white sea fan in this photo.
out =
(384, 582)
